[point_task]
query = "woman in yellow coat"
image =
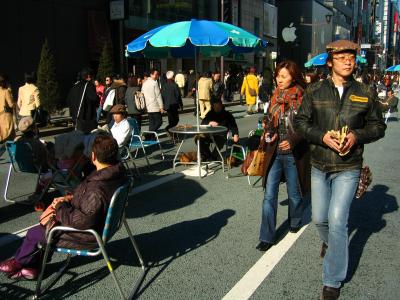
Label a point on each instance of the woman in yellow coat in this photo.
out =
(7, 131)
(250, 89)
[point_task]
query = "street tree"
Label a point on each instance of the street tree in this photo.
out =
(106, 63)
(46, 80)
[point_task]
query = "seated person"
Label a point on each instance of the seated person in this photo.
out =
(29, 135)
(217, 116)
(86, 208)
(120, 130)
(391, 102)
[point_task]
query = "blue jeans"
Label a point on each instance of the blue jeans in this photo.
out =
(331, 197)
(287, 164)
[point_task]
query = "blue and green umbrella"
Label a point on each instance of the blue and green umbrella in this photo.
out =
(187, 38)
(395, 68)
(320, 60)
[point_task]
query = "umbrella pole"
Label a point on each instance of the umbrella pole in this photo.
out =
(197, 112)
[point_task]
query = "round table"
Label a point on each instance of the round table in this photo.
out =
(194, 130)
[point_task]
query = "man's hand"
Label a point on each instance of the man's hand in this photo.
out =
(284, 145)
(331, 142)
(213, 123)
(349, 141)
(162, 110)
(236, 138)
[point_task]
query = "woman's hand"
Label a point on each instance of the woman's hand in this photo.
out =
(284, 145)
(270, 139)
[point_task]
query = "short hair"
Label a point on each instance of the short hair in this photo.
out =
(170, 74)
(105, 148)
(86, 72)
(152, 71)
(4, 81)
(30, 77)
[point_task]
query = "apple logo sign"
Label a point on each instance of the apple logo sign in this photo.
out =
(288, 33)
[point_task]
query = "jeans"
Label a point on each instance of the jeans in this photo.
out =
(331, 197)
(287, 164)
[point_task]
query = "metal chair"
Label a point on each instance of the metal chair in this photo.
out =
(125, 157)
(114, 220)
(391, 113)
(243, 153)
(22, 160)
(136, 143)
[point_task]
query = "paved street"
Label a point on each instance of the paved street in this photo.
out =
(198, 236)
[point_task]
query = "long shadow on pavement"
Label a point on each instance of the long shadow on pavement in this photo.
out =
(366, 218)
(170, 196)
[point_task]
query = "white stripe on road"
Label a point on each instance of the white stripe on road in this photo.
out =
(9, 238)
(263, 267)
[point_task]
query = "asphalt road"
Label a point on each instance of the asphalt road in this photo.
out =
(198, 236)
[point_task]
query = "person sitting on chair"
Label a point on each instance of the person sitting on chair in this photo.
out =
(217, 116)
(86, 208)
(391, 102)
(29, 135)
(120, 130)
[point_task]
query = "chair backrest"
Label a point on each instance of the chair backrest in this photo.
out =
(21, 155)
(116, 211)
(134, 125)
(135, 130)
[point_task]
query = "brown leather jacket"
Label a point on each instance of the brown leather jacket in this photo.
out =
(88, 208)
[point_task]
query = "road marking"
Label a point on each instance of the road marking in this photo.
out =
(263, 267)
(9, 238)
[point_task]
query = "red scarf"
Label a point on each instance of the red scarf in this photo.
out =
(285, 99)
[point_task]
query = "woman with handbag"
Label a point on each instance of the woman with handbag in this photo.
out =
(7, 131)
(286, 152)
(250, 90)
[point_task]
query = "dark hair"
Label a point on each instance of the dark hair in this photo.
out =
(313, 76)
(3, 81)
(152, 71)
(294, 71)
(86, 72)
(30, 77)
(105, 148)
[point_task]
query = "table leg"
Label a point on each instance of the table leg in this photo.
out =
(198, 157)
(177, 152)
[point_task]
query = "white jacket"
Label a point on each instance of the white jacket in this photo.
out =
(152, 95)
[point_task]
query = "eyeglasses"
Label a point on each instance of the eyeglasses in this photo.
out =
(342, 59)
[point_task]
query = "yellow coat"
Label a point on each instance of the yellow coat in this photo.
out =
(252, 82)
(28, 99)
(6, 119)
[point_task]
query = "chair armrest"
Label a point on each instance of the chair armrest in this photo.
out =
(69, 229)
(151, 132)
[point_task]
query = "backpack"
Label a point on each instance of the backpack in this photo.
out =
(140, 102)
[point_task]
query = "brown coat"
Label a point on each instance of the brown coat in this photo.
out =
(6, 119)
(302, 157)
(88, 208)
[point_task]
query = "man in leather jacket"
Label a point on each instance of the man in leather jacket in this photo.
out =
(327, 105)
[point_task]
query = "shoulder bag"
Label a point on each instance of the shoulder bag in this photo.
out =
(252, 91)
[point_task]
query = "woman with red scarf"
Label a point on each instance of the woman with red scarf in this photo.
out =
(287, 150)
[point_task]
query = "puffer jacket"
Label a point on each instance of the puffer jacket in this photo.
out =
(322, 110)
(88, 208)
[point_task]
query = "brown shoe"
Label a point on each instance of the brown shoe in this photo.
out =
(330, 293)
(323, 250)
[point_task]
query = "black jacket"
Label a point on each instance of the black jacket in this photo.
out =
(322, 109)
(87, 119)
(217, 89)
(171, 95)
(223, 118)
(89, 206)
